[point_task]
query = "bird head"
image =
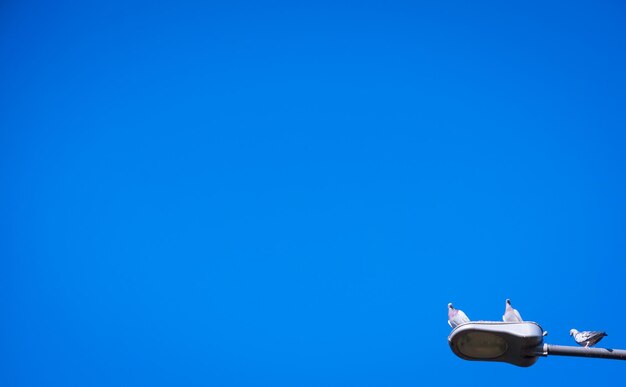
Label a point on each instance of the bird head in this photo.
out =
(508, 301)
(450, 306)
(572, 332)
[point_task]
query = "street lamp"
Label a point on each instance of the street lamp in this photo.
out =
(514, 343)
(518, 343)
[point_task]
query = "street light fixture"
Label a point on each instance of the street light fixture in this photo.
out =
(513, 343)
(518, 343)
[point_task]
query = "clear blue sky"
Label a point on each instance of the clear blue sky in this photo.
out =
(282, 194)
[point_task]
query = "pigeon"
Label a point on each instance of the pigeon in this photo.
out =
(456, 317)
(510, 314)
(587, 338)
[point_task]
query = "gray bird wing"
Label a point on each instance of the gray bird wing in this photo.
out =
(463, 316)
(459, 319)
(596, 338)
(511, 316)
(591, 337)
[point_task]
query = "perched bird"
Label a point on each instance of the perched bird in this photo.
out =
(587, 338)
(510, 314)
(456, 317)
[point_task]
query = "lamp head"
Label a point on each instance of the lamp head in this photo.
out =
(513, 343)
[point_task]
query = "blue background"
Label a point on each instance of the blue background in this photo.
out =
(284, 194)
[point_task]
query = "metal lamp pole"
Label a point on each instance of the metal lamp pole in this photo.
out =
(564, 350)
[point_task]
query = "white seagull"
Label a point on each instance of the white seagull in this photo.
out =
(510, 314)
(456, 317)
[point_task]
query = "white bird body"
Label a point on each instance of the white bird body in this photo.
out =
(587, 338)
(456, 317)
(510, 314)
